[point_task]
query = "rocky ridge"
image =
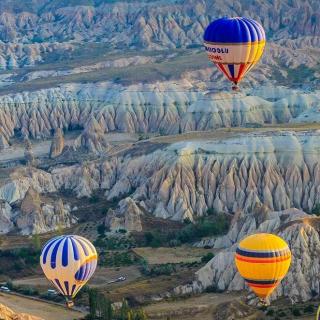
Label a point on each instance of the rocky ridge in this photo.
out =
(8, 314)
(146, 108)
(185, 179)
(301, 231)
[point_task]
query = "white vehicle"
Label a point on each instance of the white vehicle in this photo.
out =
(4, 289)
(121, 278)
(52, 292)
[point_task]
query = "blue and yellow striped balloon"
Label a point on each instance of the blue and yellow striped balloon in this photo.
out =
(68, 262)
(234, 45)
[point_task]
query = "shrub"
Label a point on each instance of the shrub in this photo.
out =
(101, 229)
(316, 209)
(296, 312)
(282, 314)
(206, 258)
(211, 212)
(158, 270)
(270, 312)
(309, 309)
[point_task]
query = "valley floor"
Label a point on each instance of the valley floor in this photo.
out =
(41, 309)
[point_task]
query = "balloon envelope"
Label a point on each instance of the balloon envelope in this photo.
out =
(234, 45)
(68, 261)
(263, 260)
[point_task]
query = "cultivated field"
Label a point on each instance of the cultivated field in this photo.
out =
(171, 255)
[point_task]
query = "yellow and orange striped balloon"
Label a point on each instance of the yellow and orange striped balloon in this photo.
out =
(263, 260)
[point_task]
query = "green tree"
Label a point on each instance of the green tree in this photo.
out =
(93, 303)
(316, 209)
(139, 315)
(124, 310)
(206, 258)
(36, 242)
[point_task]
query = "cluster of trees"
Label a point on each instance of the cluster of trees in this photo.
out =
(101, 309)
(18, 259)
(158, 270)
(316, 209)
(118, 259)
(211, 225)
(296, 312)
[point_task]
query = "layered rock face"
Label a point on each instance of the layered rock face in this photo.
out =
(279, 170)
(185, 179)
(301, 231)
(138, 24)
(143, 108)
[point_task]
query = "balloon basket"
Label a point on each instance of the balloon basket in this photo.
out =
(235, 88)
(264, 302)
(69, 304)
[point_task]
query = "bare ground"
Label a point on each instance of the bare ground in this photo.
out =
(171, 255)
(41, 309)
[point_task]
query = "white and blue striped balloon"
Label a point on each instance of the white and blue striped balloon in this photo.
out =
(68, 262)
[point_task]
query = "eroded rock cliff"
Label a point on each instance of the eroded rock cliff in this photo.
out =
(301, 231)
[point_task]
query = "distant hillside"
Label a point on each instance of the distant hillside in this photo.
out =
(163, 23)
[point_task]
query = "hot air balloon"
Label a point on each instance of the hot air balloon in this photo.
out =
(68, 262)
(263, 260)
(234, 45)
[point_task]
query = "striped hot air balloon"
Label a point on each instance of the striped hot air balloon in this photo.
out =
(234, 45)
(263, 260)
(68, 262)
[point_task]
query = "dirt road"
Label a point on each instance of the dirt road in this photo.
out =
(40, 309)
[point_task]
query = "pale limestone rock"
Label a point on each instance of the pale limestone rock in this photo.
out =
(57, 144)
(92, 139)
(6, 215)
(127, 216)
(302, 233)
(38, 217)
(21, 180)
(28, 153)
(8, 314)
(184, 180)
(144, 108)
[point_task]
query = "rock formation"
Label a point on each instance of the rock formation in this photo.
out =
(92, 139)
(57, 144)
(38, 217)
(301, 231)
(28, 153)
(147, 27)
(144, 108)
(127, 216)
(279, 170)
(6, 217)
(185, 179)
(8, 314)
